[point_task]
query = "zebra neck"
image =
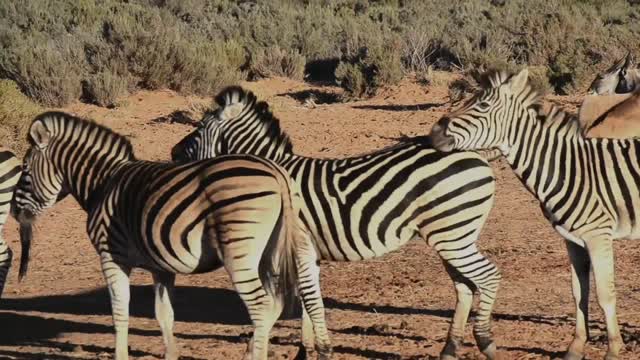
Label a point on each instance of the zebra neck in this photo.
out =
(546, 152)
(86, 174)
(274, 152)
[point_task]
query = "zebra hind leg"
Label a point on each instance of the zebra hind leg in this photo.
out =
(308, 336)
(464, 302)
(316, 335)
(6, 255)
(601, 254)
(163, 285)
(263, 308)
(483, 275)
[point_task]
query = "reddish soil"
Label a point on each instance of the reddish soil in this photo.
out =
(394, 307)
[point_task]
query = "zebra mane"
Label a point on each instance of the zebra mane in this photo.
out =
(494, 78)
(554, 114)
(65, 120)
(251, 109)
(545, 115)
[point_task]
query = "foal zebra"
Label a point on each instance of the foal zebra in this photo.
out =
(239, 212)
(9, 175)
(366, 206)
(621, 78)
(588, 188)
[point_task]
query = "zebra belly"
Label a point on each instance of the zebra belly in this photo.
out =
(341, 249)
(182, 248)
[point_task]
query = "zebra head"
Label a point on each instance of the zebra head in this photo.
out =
(240, 125)
(208, 139)
(201, 143)
(487, 119)
(620, 78)
(41, 185)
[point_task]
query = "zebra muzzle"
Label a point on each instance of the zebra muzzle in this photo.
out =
(26, 234)
(439, 139)
(24, 216)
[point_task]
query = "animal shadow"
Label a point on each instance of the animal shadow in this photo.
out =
(191, 304)
(318, 97)
(413, 107)
(178, 116)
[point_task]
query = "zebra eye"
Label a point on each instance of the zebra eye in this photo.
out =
(484, 105)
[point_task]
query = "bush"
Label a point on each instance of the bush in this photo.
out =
(274, 61)
(105, 88)
(373, 66)
(54, 50)
(16, 114)
(45, 69)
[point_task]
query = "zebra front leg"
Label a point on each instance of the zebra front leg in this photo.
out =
(464, 301)
(163, 285)
(314, 328)
(580, 266)
(117, 277)
(601, 254)
(6, 255)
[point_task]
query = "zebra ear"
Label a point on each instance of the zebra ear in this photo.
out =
(518, 82)
(39, 134)
(628, 61)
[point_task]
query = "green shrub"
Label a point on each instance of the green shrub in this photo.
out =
(46, 70)
(16, 114)
(205, 68)
(352, 79)
(55, 49)
(375, 64)
(274, 61)
(106, 88)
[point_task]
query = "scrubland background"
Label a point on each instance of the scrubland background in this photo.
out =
(57, 52)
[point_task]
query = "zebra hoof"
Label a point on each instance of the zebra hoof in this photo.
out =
(302, 353)
(611, 357)
(572, 356)
(324, 352)
(451, 348)
(490, 351)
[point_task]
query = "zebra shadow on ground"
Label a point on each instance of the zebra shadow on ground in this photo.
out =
(203, 305)
(412, 107)
(191, 304)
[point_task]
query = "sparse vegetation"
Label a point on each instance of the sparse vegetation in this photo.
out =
(16, 113)
(99, 51)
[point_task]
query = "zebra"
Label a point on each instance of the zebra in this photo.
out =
(366, 206)
(239, 212)
(10, 170)
(621, 78)
(588, 188)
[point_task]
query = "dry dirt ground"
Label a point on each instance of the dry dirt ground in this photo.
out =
(394, 307)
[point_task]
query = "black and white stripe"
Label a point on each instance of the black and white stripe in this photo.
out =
(9, 174)
(367, 206)
(588, 188)
(240, 212)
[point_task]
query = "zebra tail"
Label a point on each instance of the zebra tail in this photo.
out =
(26, 234)
(278, 265)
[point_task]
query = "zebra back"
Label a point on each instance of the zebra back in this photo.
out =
(10, 170)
